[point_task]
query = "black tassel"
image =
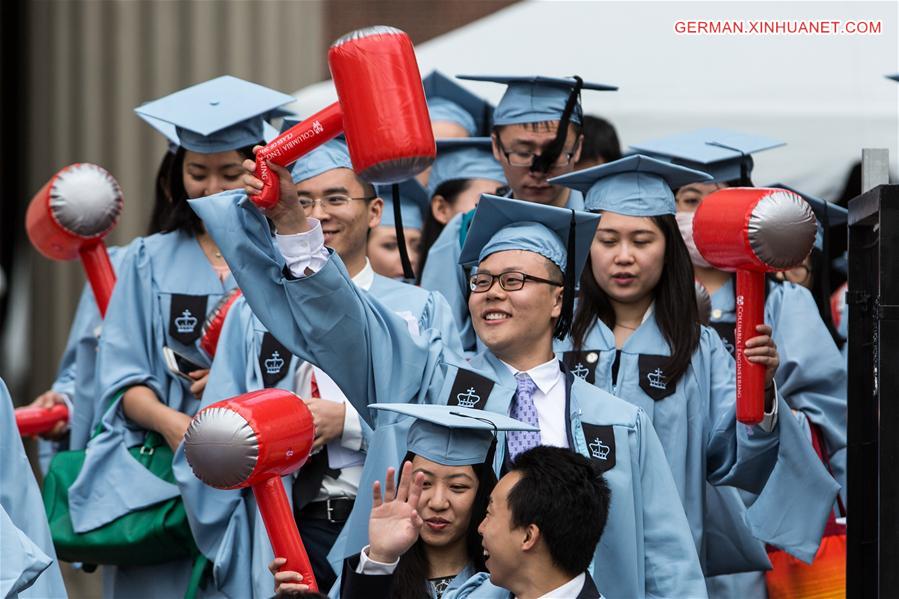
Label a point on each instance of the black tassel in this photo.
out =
(408, 274)
(563, 324)
(544, 162)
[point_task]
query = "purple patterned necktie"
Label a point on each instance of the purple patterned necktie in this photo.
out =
(523, 409)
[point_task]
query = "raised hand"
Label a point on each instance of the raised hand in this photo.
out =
(394, 524)
(287, 214)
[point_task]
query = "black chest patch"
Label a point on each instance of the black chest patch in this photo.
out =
(600, 445)
(727, 332)
(186, 316)
(470, 390)
(274, 360)
(582, 363)
(653, 379)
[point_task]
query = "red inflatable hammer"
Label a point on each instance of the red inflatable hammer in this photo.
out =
(69, 217)
(252, 440)
(752, 231)
(381, 107)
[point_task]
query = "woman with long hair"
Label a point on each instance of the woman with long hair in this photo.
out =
(636, 333)
(151, 371)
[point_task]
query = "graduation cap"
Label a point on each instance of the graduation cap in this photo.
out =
(452, 435)
(560, 235)
(464, 158)
(414, 201)
(330, 155)
(634, 186)
(894, 76)
(827, 214)
(726, 155)
(219, 115)
(535, 99)
(449, 101)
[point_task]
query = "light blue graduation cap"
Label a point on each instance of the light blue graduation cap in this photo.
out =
(634, 186)
(449, 101)
(534, 99)
(827, 214)
(464, 158)
(725, 155)
(414, 201)
(560, 235)
(328, 156)
(218, 115)
(452, 435)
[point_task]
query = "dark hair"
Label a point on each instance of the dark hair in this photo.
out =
(566, 498)
(676, 311)
(410, 580)
(600, 141)
(162, 199)
(450, 190)
(170, 188)
(821, 291)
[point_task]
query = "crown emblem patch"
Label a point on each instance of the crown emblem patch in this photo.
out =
(653, 380)
(469, 399)
(657, 379)
(599, 450)
(600, 445)
(580, 371)
(274, 364)
(186, 323)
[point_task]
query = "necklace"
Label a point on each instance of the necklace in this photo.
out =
(218, 254)
(624, 326)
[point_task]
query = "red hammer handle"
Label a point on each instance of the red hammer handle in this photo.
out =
(300, 139)
(34, 421)
(100, 274)
(750, 377)
(282, 528)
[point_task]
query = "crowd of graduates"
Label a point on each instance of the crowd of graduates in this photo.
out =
(542, 409)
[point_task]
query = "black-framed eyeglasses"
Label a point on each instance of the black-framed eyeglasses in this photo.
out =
(330, 202)
(510, 281)
(526, 159)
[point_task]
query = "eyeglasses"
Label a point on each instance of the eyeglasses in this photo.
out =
(798, 274)
(526, 159)
(509, 281)
(328, 203)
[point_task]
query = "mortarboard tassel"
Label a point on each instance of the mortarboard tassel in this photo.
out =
(563, 325)
(408, 274)
(544, 162)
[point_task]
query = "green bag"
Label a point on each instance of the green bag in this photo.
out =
(156, 534)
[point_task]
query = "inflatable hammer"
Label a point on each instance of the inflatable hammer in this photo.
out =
(381, 107)
(34, 421)
(252, 440)
(752, 231)
(69, 217)
(212, 327)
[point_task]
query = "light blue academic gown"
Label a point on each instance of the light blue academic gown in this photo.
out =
(812, 375)
(646, 549)
(224, 520)
(812, 380)
(77, 369)
(443, 273)
(28, 566)
(162, 297)
(696, 422)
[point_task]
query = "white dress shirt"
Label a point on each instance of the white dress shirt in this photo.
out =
(549, 399)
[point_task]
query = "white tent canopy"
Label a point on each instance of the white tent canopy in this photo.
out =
(825, 95)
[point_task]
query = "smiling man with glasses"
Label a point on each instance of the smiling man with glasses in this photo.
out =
(536, 135)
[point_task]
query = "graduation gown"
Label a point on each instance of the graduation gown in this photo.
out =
(77, 369)
(28, 566)
(163, 295)
(443, 273)
(362, 586)
(812, 376)
(696, 423)
(325, 319)
(222, 521)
